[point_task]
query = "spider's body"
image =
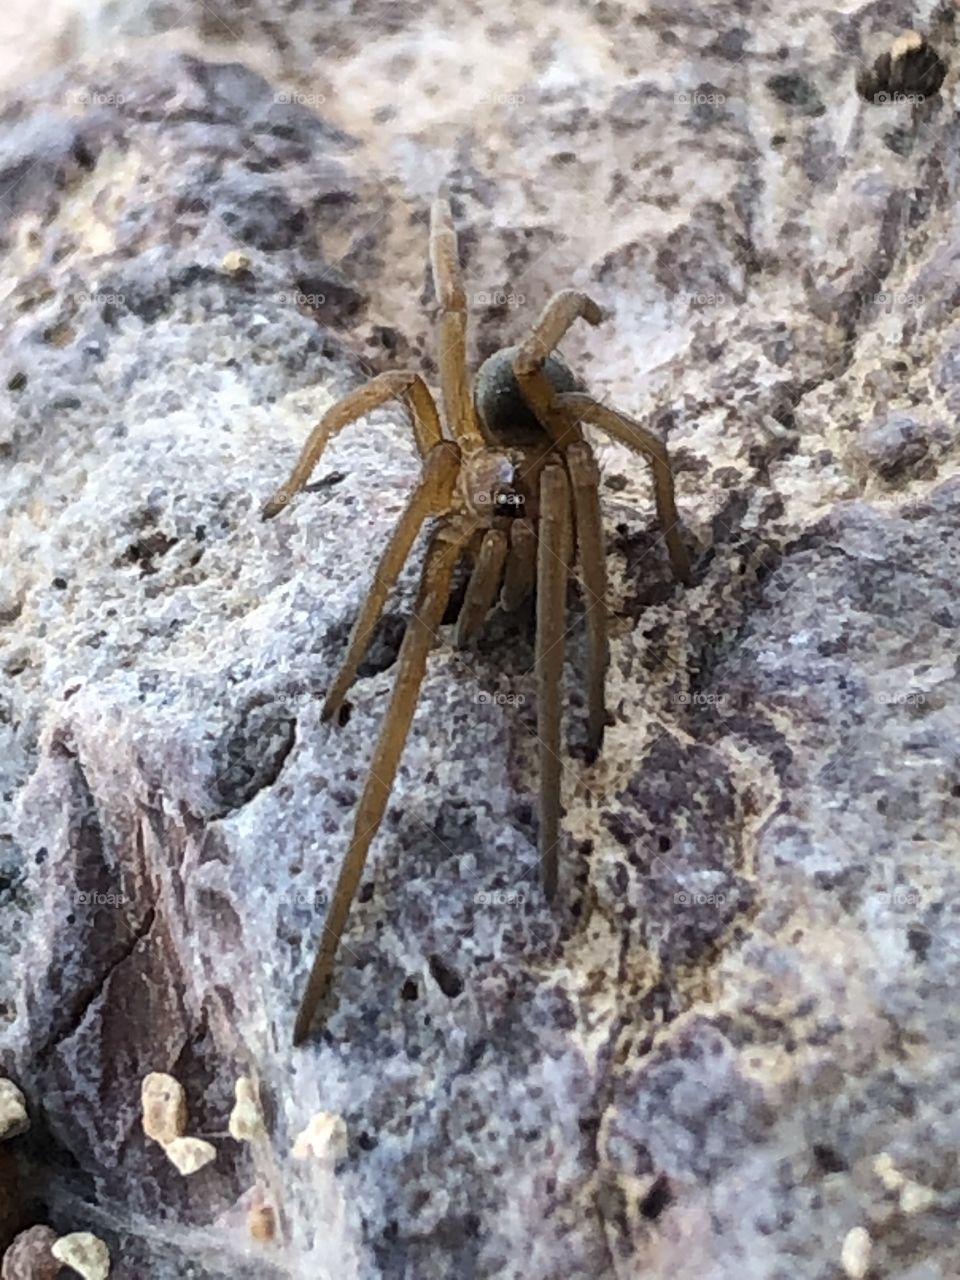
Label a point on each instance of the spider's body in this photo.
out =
(505, 417)
(513, 488)
(911, 68)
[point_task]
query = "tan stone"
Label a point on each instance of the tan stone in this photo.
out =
(324, 1138)
(246, 1118)
(164, 1105)
(85, 1253)
(262, 1223)
(13, 1110)
(190, 1154)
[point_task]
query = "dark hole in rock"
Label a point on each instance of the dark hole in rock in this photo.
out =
(251, 755)
(828, 1160)
(658, 1198)
(447, 979)
(918, 940)
(384, 646)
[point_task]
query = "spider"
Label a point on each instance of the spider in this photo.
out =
(513, 487)
(910, 68)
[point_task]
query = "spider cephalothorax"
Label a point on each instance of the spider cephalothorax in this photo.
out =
(513, 487)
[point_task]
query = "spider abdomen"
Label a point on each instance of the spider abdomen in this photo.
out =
(501, 408)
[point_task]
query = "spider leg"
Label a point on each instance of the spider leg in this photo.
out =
(483, 585)
(520, 572)
(458, 406)
(555, 319)
(553, 561)
(585, 478)
(635, 437)
(408, 387)
(434, 590)
(432, 496)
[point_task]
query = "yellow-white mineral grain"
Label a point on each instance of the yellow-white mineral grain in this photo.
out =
(887, 1172)
(13, 1110)
(190, 1154)
(916, 1198)
(262, 1223)
(164, 1105)
(246, 1118)
(855, 1255)
(235, 262)
(324, 1138)
(85, 1253)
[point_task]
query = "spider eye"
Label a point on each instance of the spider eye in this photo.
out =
(507, 501)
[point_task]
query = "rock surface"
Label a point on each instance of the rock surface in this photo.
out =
(744, 1008)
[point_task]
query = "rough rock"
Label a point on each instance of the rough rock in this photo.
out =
(189, 1155)
(246, 1118)
(84, 1253)
(29, 1257)
(164, 1105)
(14, 1119)
(746, 996)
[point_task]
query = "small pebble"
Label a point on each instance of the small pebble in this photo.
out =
(916, 1198)
(855, 1255)
(13, 1110)
(324, 1138)
(164, 1105)
(262, 1223)
(246, 1118)
(85, 1253)
(235, 262)
(190, 1154)
(29, 1257)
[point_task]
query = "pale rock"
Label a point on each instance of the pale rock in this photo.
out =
(85, 1253)
(190, 1154)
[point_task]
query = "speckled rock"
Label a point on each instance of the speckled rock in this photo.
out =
(29, 1257)
(743, 1006)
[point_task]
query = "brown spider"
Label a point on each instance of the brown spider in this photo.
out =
(516, 490)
